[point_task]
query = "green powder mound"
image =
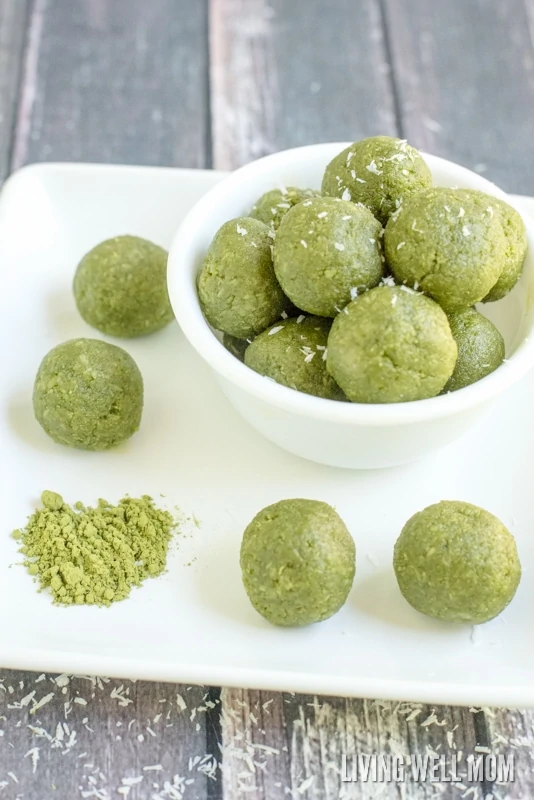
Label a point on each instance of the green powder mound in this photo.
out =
(94, 556)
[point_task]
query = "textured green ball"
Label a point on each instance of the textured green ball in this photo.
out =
(327, 250)
(120, 287)
(515, 235)
(274, 205)
(457, 562)
(293, 352)
(480, 348)
(88, 394)
(379, 172)
(443, 242)
(297, 562)
(237, 287)
(391, 345)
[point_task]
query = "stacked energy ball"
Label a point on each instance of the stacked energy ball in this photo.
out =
(365, 292)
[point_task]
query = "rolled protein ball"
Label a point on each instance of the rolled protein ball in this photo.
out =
(326, 251)
(120, 287)
(516, 241)
(379, 172)
(390, 346)
(273, 205)
(443, 242)
(293, 352)
(480, 348)
(237, 287)
(88, 394)
(297, 562)
(456, 562)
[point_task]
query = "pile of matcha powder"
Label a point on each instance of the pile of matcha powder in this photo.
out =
(95, 555)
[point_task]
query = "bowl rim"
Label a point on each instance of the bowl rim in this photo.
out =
(186, 306)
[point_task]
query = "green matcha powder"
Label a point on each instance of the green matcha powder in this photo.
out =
(95, 555)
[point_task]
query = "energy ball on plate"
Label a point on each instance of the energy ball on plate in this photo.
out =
(391, 345)
(273, 205)
(88, 394)
(237, 287)
(480, 348)
(456, 562)
(293, 352)
(120, 287)
(378, 172)
(516, 241)
(326, 251)
(297, 562)
(443, 242)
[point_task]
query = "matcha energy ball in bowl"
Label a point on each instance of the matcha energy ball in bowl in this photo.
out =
(379, 172)
(340, 433)
(326, 251)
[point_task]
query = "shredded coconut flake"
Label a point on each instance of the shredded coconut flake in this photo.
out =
(300, 318)
(339, 246)
(373, 168)
(346, 195)
(400, 244)
(322, 215)
(303, 243)
(275, 330)
(466, 230)
(241, 231)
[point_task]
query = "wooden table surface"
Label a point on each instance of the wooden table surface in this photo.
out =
(216, 83)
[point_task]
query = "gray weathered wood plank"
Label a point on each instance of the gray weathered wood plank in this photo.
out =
(115, 738)
(286, 74)
(13, 15)
(464, 74)
(122, 81)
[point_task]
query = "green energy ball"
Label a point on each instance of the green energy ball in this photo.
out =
(379, 172)
(273, 205)
(297, 562)
(326, 251)
(293, 352)
(456, 562)
(480, 348)
(391, 345)
(237, 287)
(88, 394)
(515, 235)
(120, 287)
(235, 346)
(443, 242)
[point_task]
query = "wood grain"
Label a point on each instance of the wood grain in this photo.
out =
(286, 74)
(13, 15)
(464, 76)
(122, 81)
(112, 738)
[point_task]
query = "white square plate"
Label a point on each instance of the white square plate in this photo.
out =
(195, 624)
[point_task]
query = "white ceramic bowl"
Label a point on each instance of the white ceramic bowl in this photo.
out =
(339, 434)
